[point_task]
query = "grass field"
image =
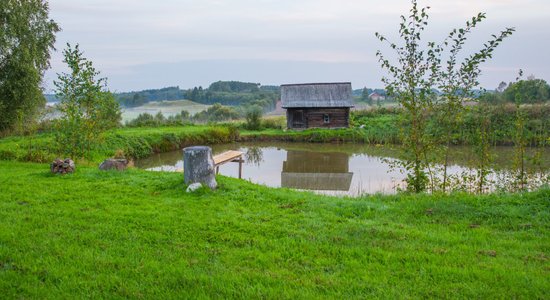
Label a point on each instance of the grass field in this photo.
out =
(137, 234)
(167, 108)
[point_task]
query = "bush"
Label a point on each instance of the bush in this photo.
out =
(142, 120)
(216, 113)
(253, 117)
(274, 123)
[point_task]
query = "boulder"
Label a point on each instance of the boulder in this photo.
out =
(193, 187)
(65, 166)
(118, 164)
(198, 166)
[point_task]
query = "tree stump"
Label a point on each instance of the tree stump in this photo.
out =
(198, 166)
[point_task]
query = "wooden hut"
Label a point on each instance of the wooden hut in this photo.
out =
(317, 105)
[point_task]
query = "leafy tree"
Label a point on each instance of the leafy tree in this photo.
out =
(456, 80)
(216, 113)
(412, 81)
(87, 107)
(159, 117)
(531, 91)
(143, 119)
(411, 85)
(185, 114)
(501, 87)
(520, 141)
(26, 37)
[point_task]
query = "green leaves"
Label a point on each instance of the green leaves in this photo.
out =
(26, 38)
(410, 83)
(87, 107)
(417, 71)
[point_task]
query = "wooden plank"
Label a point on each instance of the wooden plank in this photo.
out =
(223, 158)
(227, 157)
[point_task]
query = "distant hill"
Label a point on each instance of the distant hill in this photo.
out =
(233, 93)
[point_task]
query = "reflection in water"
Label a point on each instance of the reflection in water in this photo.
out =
(327, 168)
(319, 171)
(169, 161)
(254, 155)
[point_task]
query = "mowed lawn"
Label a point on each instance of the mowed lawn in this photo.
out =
(137, 234)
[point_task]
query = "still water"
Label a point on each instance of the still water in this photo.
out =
(325, 168)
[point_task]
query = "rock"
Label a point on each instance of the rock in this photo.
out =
(59, 166)
(198, 166)
(118, 164)
(193, 187)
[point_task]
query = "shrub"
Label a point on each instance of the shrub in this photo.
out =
(253, 117)
(274, 123)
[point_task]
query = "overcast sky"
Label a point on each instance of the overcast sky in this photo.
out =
(139, 44)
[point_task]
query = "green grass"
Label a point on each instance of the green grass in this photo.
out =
(135, 142)
(140, 142)
(137, 234)
(345, 135)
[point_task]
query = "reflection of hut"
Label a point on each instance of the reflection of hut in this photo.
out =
(316, 171)
(317, 105)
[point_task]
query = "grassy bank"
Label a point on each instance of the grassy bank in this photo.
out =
(371, 127)
(134, 142)
(348, 135)
(143, 141)
(383, 126)
(136, 234)
(499, 119)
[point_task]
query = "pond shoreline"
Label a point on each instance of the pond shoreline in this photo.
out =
(339, 168)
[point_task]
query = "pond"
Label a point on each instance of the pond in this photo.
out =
(336, 169)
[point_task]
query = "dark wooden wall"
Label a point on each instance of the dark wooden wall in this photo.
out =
(323, 162)
(314, 118)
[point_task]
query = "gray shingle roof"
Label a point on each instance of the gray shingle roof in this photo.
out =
(336, 94)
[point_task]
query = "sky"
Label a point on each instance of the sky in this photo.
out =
(139, 44)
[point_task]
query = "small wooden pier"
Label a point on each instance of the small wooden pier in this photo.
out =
(229, 156)
(226, 157)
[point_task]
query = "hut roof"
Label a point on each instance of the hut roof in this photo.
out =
(337, 94)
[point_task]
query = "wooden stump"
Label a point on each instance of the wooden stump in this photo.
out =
(198, 166)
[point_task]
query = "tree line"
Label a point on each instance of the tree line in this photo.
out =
(530, 90)
(230, 93)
